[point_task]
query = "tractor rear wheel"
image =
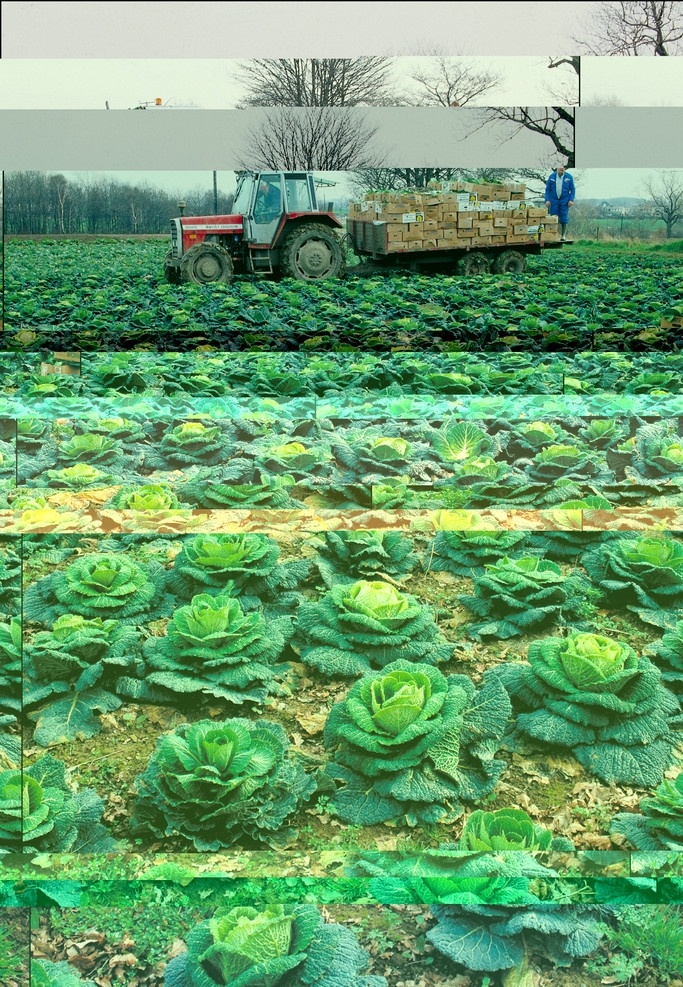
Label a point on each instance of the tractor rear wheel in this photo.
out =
(312, 252)
(171, 270)
(510, 262)
(206, 263)
(474, 263)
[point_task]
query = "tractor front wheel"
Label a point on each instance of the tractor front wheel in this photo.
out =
(474, 263)
(206, 263)
(171, 270)
(510, 262)
(311, 253)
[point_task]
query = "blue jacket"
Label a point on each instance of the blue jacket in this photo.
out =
(560, 207)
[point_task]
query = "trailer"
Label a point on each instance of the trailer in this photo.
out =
(370, 242)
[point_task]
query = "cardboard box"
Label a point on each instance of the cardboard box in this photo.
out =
(429, 244)
(444, 244)
(518, 214)
(412, 217)
(463, 234)
(514, 238)
(484, 229)
(534, 212)
(518, 229)
(394, 234)
(551, 220)
(430, 224)
(465, 222)
(498, 239)
(413, 245)
(409, 237)
(500, 224)
(480, 241)
(501, 194)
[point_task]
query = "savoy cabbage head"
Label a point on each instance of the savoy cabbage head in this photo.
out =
(464, 547)
(228, 488)
(514, 595)
(39, 812)
(44, 973)
(644, 574)
(508, 830)
(188, 444)
(410, 743)
(356, 628)
(492, 909)
(346, 556)
(660, 824)
(10, 667)
(105, 585)
(658, 452)
(219, 783)
(247, 566)
(596, 697)
(667, 655)
(272, 946)
(146, 497)
(212, 648)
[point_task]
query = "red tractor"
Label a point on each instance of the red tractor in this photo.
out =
(276, 228)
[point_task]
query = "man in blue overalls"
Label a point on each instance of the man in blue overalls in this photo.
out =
(559, 195)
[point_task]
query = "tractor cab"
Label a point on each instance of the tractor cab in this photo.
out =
(275, 228)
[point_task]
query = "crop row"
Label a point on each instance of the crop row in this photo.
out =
(597, 674)
(455, 938)
(112, 296)
(163, 464)
(288, 375)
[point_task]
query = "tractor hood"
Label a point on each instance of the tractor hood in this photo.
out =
(212, 224)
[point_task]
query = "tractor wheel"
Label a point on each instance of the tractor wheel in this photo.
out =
(311, 253)
(206, 263)
(171, 270)
(474, 263)
(510, 262)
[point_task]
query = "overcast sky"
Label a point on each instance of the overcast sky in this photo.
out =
(276, 29)
(213, 84)
(596, 183)
(632, 81)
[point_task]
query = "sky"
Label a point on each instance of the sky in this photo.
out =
(213, 84)
(597, 183)
(276, 29)
(632, 81)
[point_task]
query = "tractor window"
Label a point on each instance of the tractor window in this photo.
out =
(298, 194)
(268, 204)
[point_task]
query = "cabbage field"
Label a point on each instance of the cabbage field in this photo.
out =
(342, 668)
(111, 295)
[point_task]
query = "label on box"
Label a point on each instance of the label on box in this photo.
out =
(412, 217)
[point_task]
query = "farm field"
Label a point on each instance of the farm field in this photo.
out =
(66, 294)
(396, 637)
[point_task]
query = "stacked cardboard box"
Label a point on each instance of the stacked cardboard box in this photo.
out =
(457, 214)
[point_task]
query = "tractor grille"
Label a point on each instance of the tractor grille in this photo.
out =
(175, 238)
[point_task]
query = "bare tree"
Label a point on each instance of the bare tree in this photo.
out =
(448, 81)
(292, 139)
(554, 122)
(635, 27)
(364, 81)
(666, 198)
(567, 91)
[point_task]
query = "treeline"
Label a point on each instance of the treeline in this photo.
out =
(37, 202)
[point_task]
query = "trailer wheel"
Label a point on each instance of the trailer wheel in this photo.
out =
(206, 263)
(510, 262)
(171, 270)
(474, 263)
(311, 253)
